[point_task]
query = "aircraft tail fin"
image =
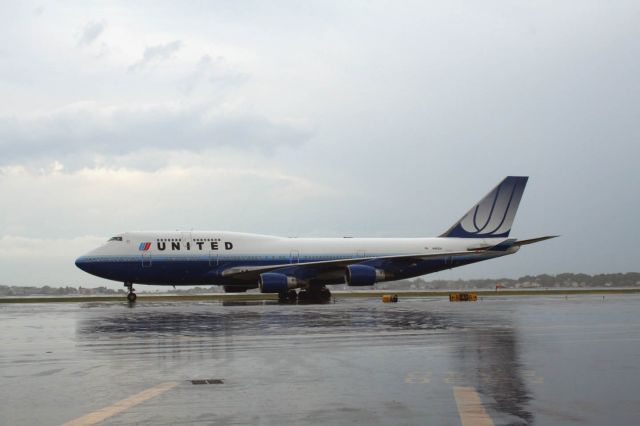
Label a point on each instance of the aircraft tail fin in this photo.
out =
(493, 216)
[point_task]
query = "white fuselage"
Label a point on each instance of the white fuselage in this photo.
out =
(200, 257)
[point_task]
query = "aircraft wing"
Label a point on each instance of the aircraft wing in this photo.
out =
(312, 268)
(317, 269)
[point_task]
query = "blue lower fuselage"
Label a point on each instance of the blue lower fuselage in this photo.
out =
(202, 270)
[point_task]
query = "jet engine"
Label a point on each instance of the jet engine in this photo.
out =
(272, 282)
(361, 275)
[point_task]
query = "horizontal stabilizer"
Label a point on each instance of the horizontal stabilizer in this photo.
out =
(502, 246)
(511, 242)
(534, 240)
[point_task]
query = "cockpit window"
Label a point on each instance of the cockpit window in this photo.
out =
(115, 239)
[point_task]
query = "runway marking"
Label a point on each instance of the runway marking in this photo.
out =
(417, 377)
(470, 408)
(454, 377)
(531, 377)
(120, 406)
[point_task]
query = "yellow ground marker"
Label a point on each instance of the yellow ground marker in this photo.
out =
(120, 406)
(470, 408)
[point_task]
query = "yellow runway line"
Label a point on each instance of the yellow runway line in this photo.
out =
(470, 408)
(120, 406)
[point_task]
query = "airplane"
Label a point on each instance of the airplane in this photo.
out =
(299, 269)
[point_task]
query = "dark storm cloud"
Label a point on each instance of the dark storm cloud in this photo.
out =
(91, 32)
(87, 129)
(156, 53)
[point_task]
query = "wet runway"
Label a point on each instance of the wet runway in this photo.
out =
(503, 361)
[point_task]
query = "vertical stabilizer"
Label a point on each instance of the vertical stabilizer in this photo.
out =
(493, 216)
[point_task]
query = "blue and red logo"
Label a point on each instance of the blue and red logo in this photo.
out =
(144, 246)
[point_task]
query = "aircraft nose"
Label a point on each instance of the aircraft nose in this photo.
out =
(83, 263)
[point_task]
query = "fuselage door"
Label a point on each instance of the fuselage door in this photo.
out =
(146, 260)
(360, 254)
(294, 257)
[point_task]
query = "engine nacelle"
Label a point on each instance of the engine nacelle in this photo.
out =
(361, 275)
(271, 282)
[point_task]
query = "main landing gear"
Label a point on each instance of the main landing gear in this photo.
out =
(290, 296)
(311, 295)
(131, 297)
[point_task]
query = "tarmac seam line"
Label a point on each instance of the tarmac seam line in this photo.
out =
(120, 406)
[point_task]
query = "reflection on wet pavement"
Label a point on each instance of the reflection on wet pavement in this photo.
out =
(356, 361)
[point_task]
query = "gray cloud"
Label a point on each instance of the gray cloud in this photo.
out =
(157, 53)
(213, 71)
(417, 110)
(88, 129)
(91, 32)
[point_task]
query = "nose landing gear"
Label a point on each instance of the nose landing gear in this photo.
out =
(131, 297)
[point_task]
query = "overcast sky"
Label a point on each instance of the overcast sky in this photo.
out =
(317, 119)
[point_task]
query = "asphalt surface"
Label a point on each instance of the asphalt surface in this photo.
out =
(506, 361)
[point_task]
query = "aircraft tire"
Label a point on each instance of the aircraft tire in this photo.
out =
(325, 294)
(316, 295)
(131, 297)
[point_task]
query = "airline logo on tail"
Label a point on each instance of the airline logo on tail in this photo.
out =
(493, 216)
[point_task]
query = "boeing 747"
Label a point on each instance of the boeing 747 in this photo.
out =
(301, 268)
